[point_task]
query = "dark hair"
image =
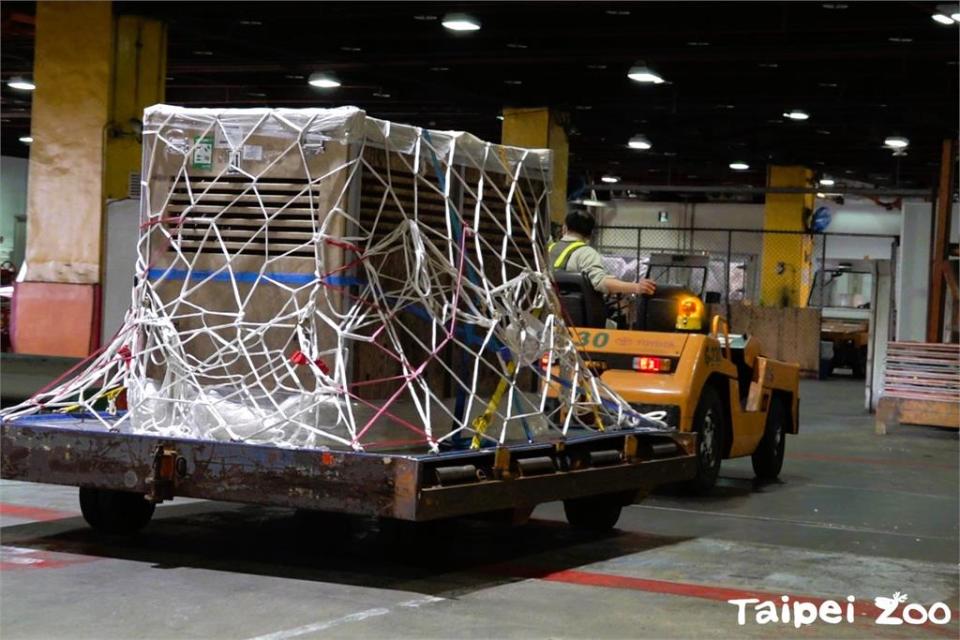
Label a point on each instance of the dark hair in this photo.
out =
(579, 221)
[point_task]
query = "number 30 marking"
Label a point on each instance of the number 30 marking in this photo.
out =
(600, 340)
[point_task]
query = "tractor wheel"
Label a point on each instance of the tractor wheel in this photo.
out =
(768, 457)
(595, 513)
(708, 424)
(110, 511)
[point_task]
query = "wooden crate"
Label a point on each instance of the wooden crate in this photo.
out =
(921, 386)
(789, 334)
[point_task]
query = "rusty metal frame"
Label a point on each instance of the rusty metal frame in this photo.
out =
(76, 452)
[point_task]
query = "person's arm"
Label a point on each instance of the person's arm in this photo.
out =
(615, 285)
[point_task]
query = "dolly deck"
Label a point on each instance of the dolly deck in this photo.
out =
(79, 451)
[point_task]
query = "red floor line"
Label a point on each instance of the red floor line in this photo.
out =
(707, 592)
(825, 457)
(33, 513)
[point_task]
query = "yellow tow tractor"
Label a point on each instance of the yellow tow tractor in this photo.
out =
(667, 355)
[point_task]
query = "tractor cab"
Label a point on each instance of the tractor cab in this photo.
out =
(664, 353)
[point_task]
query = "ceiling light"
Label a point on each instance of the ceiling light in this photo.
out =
(827, 182)
(351, 49)
(26, 139)
(323, 81)
(21, 84)
(698, 43)
(439, 68)
(513, 82)
(609, 179)
(835, 5)
(821, 195)
(500, 118)
(516, 45)
(583, 107)
(293, 76)
(896, 142)
(900, 40)
(639, 142)
(642, 73)
(425, 18)
(593, 203)
(942, 19)
(598, 67)
(796, 114)
(768, 65)
(617, 12)
(460, 22)
(955, 16)
(739, 166)
(380, 94)
(823, 132)
(203, 52)
(251, 23)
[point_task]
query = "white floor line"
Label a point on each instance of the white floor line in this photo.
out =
(359, 616)
(799, 523)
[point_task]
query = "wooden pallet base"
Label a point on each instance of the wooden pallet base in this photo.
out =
(892, 412)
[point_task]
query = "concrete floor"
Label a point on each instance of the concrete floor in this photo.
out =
(853, 514)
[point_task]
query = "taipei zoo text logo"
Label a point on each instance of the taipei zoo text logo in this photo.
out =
(803, 613)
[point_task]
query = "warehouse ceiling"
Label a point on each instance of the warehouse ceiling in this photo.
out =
(863, 71)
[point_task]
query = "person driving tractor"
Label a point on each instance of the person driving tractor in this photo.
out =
(573, 253)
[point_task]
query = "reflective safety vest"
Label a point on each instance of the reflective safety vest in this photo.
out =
(559, 252)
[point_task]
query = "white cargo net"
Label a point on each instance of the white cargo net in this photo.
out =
(316, 277)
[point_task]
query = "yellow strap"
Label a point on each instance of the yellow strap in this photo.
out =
(561, 260)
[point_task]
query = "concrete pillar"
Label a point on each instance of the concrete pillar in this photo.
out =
(787, 264)
(539, 128)
(913, 271)
(94, 75)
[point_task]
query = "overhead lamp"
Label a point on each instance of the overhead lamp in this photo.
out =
(796, 114)
(827, 182)
(640, 72)
(955, 16)
(739, 166)
(609, 179)
(896, 142)
(323, 81)
(593, 203)
(26, 139)
(21, 84)
(460, 22)
(942, 18)
(639, 142)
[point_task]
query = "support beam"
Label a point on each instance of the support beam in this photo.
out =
(540, 128)
(941, 238)
(94, 76)
(787, 264)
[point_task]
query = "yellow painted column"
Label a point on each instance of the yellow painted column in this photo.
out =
(94, 76)
(539, 128)
(787, 263)
(140, 71)
(71, 106)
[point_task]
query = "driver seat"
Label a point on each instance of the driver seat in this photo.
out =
(582, 303)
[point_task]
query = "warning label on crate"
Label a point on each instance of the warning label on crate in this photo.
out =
(203, 153)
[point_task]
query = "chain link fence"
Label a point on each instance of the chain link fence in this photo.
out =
(760, 267)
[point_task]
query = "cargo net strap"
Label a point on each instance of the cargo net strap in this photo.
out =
(516, 374)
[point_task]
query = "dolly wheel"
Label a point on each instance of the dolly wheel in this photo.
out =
(595, 513)
(110, 511)
(708, 423)
(768, 457)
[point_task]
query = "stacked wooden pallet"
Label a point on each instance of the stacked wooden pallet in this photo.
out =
(921, 385)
